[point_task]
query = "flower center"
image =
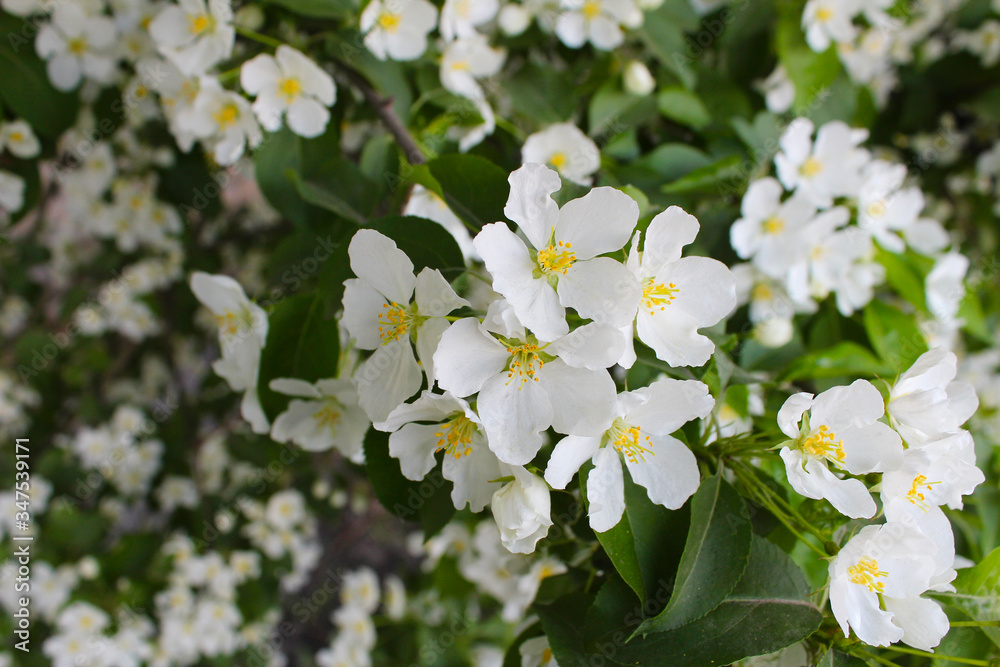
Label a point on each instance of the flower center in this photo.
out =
(658, 295)
(230, 323)
(328, 416)
(762, 292)
(876, 209)
(16, 137)
(226, 116)
(525, 361)
(199, 23)
(393, 322)
(824, 14)
(811, 167)
(558, 160)
(556, 258)
(389, 21)
(290, 89)
(630, 441)
(591, 9)
(455, 436)
(77, 46)
(916, 493)
(774, 225)
(866, 573)
(823, 444)
(546, 656)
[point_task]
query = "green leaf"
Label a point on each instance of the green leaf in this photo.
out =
(563, 622)
(724, 172)
(672, 161)
(837, 659)
(612, 112)
(894, 335)
(843, 358)
(474, 188)
(715, 555)
(321, 9)
(977, 593)
(663, 35)
(903, 277)
(275, 158)
(619, 544)
(811, 72)
(425, 242)
(767, 611)
(24, 83)
(301, 343)
(319, 195)
(427, 501)
(684, 107)
(615, 607)
(542, 95)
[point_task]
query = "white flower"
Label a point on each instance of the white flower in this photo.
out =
(598, 21)
(385, 309)
(945, 286)
(75, 45)
(289, 82)
(778, 90)
(223, 119)
(242, 334)
(18, 138)
(11, 192)
(452, 427)
(328, 418)
(566, 149)
(536, 652)
(397, 29)
(679, 294)
(826, 20)
(525, 385)
(984, 41)
(466, 60)
(360, 589)
(521, 509)
(639, 433)
(830, 167)
(875, 584)
(769, 231)
(841, 429)
(927, 402)
(884, 207)
(637, 78)
(194, 34)
(561, 267)
(394, 597)
(460, 18)
(472, 134)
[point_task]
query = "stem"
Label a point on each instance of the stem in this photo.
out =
(975, 624)
(938, 656)
(754, 489)
(772, 501)
(257, 37)
(879, 660)
(383, 107)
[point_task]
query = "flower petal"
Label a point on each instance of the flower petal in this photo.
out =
(606, 490)
(377, 259)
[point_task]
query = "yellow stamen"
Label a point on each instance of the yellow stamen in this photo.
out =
(556, 258)
(628, 440)
(394, 321)
(591, 9)
(866, 573)
(811, 167)
(558, 160)
(199, 23)
(328, 416)
(823, 444)
(824, 14)
(226, 116)
(774, 225)
(455, 436)
(524, 363)
(762, 292)
(290, 89)
(389, 21)
(658, 295)
(876, 209)
(916, 496)
(77, 46)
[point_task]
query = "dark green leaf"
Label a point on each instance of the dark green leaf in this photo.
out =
(838, 659)
(663, 35)
(612, 111)
(563, 622)
(321, 9)
(684, 107)
(894, 335)
(425, 242)
(843, 358)
(716, 176)
(977, 593)
(811, 72)
(474, 188)
(301, 343)
(715, 555)
(321, 196)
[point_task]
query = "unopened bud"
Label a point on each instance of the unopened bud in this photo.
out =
(638, 80)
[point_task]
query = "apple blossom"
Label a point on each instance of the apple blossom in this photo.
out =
(289, 84)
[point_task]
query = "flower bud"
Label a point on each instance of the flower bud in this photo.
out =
(638, 80)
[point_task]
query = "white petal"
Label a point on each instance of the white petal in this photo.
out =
(674, 337)
(601, 289)
(363, 306)
(668, 404)
(514, 414)
(606, 490)
(594, 346)
(530, 202)
(923, 621)
(600, 222)
(414, 445)
(252, 411)
(791, 413)
(670, 474)
(568, 455)
(389, 377)
(583, 401)
(258, 73)
(467, 357)
(668, 232)
(428, 338)
(873, 448)
(307, 117)
(294, 387)
(434, 296)
(471, 475)
(377, 259)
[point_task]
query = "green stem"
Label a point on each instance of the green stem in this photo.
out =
(257, 37)
(975, 624)
(879, 660)
(773, 500)
(754, 487)
(938, 656)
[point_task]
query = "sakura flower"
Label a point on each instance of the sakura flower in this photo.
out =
(195, 34)
(223, 120)
(522, 510)
(599, 22)
(18, 138)
(828, 168)
(242, 334)
(11, 192)
(466, 60)
(875, 584)
(771, 309)
(328, 418)
(453, 428)
(76, 45)
(389, 310)
(460, 18)
(526, 385)
(778, 90)
(884, 207)
(679, 294)
(639, 434)
(561, 267)
(829, 20)
(566, 149)
(289, 83)
(841, 429)
(926, 401)
(769, 231)
(397, 29)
